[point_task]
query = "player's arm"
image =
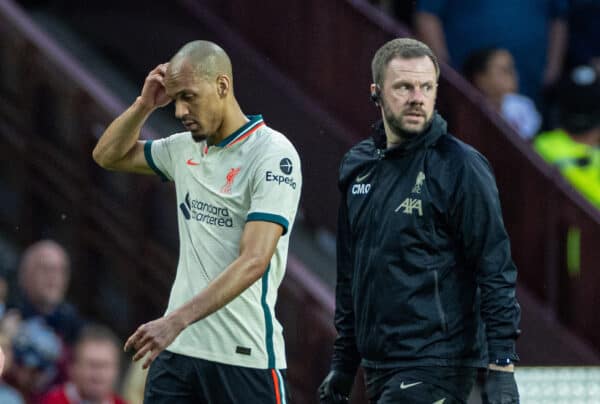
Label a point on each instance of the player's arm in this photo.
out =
(119, 147)
(257, 245)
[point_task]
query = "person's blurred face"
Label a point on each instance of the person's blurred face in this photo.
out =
(500, 77)
(408, 94)
(46, 277)
(197, 101)
(6, 353)
(95, 369)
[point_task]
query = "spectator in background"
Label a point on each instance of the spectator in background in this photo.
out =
(574, 147)
(8, 395)
(44, 277)
(36, 350)
(94, 371)
(535, 33)
(492, 71)
(584, 32)
(2, 359)
(401, 10)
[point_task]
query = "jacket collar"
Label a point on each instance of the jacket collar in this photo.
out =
(427, 138)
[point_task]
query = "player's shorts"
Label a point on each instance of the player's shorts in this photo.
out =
(420, 385)
(180, 379)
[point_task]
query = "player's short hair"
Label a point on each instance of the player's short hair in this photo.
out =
(405, 48)
(206, 58)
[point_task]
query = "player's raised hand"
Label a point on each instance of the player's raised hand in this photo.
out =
(153, 93)
(153, 338)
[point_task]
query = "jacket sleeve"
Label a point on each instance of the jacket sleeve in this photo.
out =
(345, 354)
(476, 219)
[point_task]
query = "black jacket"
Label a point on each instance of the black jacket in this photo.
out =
(423, 257)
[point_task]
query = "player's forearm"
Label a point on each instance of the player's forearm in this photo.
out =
(238, 277)
(121, 135)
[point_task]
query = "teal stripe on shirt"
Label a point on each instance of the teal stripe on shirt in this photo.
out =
(268, 319)
(253, 121)
(150, 160)
(269, 217)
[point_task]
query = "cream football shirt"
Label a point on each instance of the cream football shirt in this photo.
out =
(253, 174)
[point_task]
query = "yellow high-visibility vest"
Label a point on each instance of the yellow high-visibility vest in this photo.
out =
(578, 162)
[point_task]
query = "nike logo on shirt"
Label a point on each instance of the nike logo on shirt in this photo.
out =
(408, 386)
(191, 162)
(361, 178)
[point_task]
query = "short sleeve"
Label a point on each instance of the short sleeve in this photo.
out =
(159, 157)
(275, 187)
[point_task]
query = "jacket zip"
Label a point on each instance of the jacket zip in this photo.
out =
(438, 302)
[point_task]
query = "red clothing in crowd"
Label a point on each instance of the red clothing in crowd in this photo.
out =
(67, 394)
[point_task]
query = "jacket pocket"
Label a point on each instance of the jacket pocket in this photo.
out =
(438, 302)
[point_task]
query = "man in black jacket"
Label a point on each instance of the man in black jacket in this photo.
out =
(426, 284)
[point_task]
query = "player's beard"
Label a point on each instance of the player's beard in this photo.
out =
(396, 125)
(197, 137)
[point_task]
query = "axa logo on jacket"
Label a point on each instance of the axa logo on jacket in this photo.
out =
(411, 204)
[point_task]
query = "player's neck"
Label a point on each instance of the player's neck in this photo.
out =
(233, 119)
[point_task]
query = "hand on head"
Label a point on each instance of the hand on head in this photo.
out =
(154, 94)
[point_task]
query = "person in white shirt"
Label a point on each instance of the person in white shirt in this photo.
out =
(238, 185)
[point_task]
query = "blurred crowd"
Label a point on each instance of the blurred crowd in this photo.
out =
(52, 355)
(537, 63)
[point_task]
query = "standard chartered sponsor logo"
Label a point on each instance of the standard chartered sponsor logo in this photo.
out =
(204, 212)
(280, 179)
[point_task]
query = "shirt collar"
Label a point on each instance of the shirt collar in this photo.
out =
(255, 121)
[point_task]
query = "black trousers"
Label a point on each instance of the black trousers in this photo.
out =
(419, 385)
(180, 379)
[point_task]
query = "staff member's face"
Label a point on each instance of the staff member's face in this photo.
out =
(198, 102)
(408, 94)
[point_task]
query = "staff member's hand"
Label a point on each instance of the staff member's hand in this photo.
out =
(153, 337)
(336, 388)
(500, 388)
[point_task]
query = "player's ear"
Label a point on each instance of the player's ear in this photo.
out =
(223, 85)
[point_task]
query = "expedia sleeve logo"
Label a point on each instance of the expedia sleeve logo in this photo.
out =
(286, 167)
